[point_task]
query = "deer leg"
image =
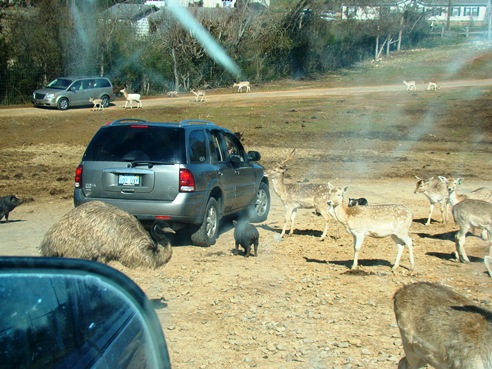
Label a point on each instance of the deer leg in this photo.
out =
(292, 218)
(459, 238)
(431, 209)
(443, 214)
(357, 245)
(288, 216)
(401, 242)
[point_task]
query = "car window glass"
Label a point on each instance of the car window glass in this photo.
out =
(77, 85)
(233, 146)
(61, 83)
(128, 144)
(87, 84)
(216, 146)
(101, 82)
(198, 152)
(213, 147)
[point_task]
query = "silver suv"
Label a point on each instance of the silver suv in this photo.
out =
(190, 173)
(65, 92)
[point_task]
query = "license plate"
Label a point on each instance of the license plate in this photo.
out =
(129, 180)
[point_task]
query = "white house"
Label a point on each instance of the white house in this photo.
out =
(462, 12)
(204, 3)
(136, 15)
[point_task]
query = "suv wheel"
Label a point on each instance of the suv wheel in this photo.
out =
(62, 104)
(207, 234)
(259, 211)
(105, 101)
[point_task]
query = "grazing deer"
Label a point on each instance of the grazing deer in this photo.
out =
(410, 85)
(442, 328)
(433, 86)
(296, 196)
(240, 85)
(437, 193)
(130, 98)
(374, 221)
(172, 94)
(199, 95)
(98, 104)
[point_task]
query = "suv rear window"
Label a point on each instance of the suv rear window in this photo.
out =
(137, 143)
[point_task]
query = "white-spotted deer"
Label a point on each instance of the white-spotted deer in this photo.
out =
(433, 86)
(469, 214)
(437, 193)
(199, 95)
(410, 85)
(240, 86)
(296, 196)
(442, 328)
(98, 104)
(482, 193)
(452, 184)
(130, 98)
(374, 221)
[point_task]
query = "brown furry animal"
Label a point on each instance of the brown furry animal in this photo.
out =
(102, 232)
(442, 328)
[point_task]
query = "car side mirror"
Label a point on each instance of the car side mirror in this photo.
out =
(72, 313)
(254, 156)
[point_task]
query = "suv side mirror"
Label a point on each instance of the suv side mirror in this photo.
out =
(72, 313)
(254, 156)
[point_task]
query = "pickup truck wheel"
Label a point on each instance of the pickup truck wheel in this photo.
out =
(259, 211)
(207, 233)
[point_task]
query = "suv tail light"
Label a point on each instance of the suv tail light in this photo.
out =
(186, 181)
(78, 176)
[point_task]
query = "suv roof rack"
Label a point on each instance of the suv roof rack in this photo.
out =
(196, 121)
(128, 120)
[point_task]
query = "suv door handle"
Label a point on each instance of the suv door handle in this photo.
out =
(129, 190)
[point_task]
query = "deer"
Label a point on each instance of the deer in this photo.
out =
(296, 196)
(452, 184)
(240, 85)
(442, 328)
(172, 94)
(410, 85)
(199, 95)
(437, 193)
(433, 86)
(130, 98)
(376, 221)
(481, 193)
(98, 104)
(469, 213)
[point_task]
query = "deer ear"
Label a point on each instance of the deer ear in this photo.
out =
(330, 186)
(443, 179)
(345, 188)
(460, 180)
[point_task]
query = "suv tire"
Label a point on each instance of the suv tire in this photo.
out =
(62, 104)
(259, 211)
(207, 233)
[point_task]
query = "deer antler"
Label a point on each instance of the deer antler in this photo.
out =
(291, 155)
